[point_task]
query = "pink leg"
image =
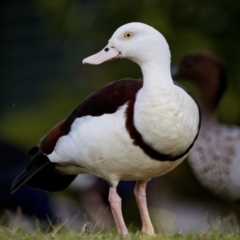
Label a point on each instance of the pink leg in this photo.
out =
(115, 203)
(140, 194)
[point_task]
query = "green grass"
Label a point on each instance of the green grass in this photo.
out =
(111, 235)
(62, 233)
(220, 229)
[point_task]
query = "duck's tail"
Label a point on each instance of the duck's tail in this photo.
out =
(41, 174)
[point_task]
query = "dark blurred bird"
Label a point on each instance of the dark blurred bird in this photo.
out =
(215, 157)
(33, 203)
(128, 130)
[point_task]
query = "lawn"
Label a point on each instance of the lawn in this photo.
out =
(112, 235)
(62, 233)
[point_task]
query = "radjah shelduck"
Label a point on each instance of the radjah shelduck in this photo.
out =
(127, 130)
(215, 157)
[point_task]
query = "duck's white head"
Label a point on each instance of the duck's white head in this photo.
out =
(135, 41)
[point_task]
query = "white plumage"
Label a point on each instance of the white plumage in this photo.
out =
(139, 132)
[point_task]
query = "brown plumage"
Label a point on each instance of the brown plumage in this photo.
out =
(215, 157)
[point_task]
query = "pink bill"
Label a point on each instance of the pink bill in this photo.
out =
(108, 53)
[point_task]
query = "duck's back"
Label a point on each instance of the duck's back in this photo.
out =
(215, 159)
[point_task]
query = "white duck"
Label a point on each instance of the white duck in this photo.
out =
(128, 130)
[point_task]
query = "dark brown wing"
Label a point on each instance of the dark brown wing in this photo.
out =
(105, 100)
(41, 173)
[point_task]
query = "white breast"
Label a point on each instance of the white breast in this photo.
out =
(167, 118)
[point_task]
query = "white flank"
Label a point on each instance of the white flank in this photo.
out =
(102, 146)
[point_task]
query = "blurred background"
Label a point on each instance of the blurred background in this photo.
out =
(42, 44)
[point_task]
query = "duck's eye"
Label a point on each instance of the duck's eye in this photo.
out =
(189, 62)
(128, 35)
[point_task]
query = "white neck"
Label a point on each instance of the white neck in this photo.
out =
(156, 74)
